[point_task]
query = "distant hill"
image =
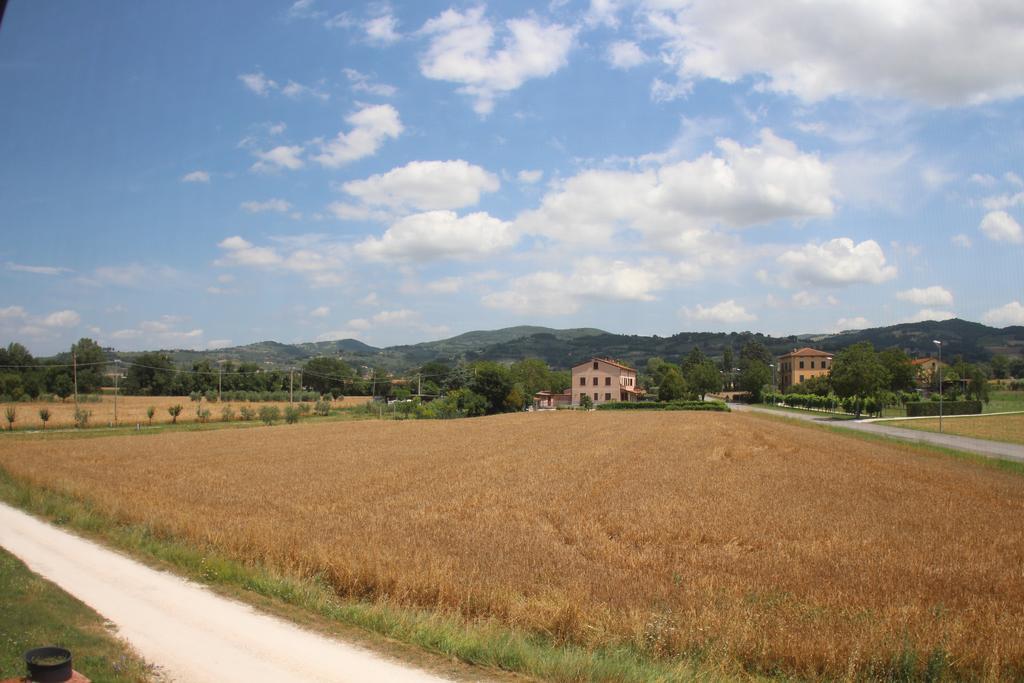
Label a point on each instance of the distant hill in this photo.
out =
(563, 348)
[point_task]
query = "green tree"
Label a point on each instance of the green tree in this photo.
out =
(1016, 369)
(494, 382)
(672, 386)
(62, 386)
(902, 374)
(150, 374)
(693, 359)
(819, 385)
(703, 378)
(857, 371)
(174, 411)
(10, 414)
(977, 388)
(754, 376)
(92, 363)
(44, 416)
(327, 375)
(727, 360)
(1000, 366)
(586, 402)
(150, 412)
(532, 375)
(754, 350)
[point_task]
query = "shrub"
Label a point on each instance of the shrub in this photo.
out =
(931, 409)
(227, 414)
(195, 396)
(9, 414)
(174, 411)
(82, 417)
(586, 402)
(203, 414)
(270, 414)
(323, 407)
(247, 414)
(44, 415)
(292, 414)
(150, 412)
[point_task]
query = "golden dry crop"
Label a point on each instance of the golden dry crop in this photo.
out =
(996, 427)
(132, 410)
(758, 544)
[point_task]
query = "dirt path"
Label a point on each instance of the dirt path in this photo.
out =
(191, 634)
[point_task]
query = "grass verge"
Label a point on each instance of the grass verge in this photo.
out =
(38, 613)
(483, 643)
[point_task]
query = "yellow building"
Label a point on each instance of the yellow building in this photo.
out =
(604, 380)
(800, 365)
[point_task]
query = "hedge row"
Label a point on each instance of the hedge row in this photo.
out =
(931, 408)
(667, 405)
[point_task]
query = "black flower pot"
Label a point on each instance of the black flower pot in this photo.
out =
(48, 664)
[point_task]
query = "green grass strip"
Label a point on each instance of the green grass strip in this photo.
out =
(482, 643)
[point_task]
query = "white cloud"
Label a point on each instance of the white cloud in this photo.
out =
(1004, 316)
(929, 314)
(625, 54)
(603, 12)
(196, 177)
(927, 296)
(805, 298)
(241, 252)
(552, 293)
(65, 318)
(36, 270)
(935, 177)
(371, 126)
(1003, 201)
(1013, 179)
(663, 91)
(278, 128)
(133, 275)
(12, 313)
(381, 29)
(837, 262)
(437, 235)
(529, 177)
(945, 53)
(461, 51)
(961, 240)
(726, 312)
(425, 185)
(322, 264)
(164, 331)
(295, 91)
(446, 285)
(676, 205)
(218, 343)
(362, 83)
(320, 312)
(856, 323)
(278, 205)
(258, 83)
(1000, 226)
(983, 179)
(282, 156)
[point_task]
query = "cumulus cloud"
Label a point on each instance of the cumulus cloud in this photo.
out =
(381, 29)
(838, 262)
(133, 275)
(927, 296)
(362, 83)
(296, 91)
(805, 298)
(258, 83)
(1005, 315)
(675, 205)
(725, 312)
(281, 157)
(1003, 201)
(435, 235)
(196, 177)
(36, 270)
(856, 323)
(371, 126)
(12, 313)
(625, 54)
(321, 263)
(462, 51)
(961, 240)
(241, 252)
(947, 53)
(929, 314)
(1000, 226)
(320, 312)
(277, 205)
(164, 331)
(529, 177)
(65, 318)
(551, 293)
(425, 186)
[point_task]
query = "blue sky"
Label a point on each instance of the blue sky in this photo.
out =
(198, 174)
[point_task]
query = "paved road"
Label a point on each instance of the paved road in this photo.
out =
(191, 634)
(991, 449)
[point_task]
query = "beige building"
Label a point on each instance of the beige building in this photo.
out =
(800, 365)
(604, 380)
(927, 372)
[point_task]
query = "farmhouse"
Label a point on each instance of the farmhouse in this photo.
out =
(604, 380)
(552, 399)
(927, 371)
(801, 364)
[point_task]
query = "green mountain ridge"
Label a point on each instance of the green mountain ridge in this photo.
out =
(563, 348)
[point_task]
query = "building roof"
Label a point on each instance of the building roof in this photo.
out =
(922, 361)
(609, 361)
(806, 351)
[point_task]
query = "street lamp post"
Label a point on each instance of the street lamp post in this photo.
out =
(772, 366)
(939, 344)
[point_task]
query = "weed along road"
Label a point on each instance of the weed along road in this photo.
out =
(191, 634)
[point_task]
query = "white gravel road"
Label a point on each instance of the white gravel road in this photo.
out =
(192, 634)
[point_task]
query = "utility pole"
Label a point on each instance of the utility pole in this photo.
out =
(74, 374)
(939, 344)
(419, 384)
(291, 386)
(220, 380)
(117, 377)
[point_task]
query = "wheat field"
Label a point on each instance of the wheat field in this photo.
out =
(131, 410)
(754, 544)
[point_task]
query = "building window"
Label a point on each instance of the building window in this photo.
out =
(801, 365)
(595, 395)
(607, 397)
(595, 365)
(607, 381)
(801, 378)
(595, 381)
(583, 381)
(824, 364)
(812, 365)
